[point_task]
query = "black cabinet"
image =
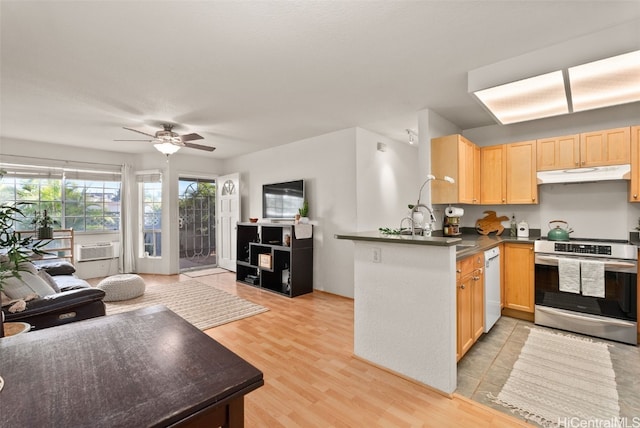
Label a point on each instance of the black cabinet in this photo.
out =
(276, 256)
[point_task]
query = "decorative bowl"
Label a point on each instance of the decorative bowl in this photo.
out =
(253, 219)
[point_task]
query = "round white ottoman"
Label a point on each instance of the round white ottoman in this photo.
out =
(122, 287)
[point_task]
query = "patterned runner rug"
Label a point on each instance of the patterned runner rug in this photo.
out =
(561, 379)
(202, 305)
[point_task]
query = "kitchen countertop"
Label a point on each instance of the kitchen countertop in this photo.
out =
(377, 236)
(471, 242)
(484, 242)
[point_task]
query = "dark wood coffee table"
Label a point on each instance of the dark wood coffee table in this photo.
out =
(145, 368)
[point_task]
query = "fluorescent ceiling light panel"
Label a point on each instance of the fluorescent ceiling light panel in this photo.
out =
(606, 82)
(528, 99)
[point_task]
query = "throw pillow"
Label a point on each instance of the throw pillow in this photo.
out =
(28, 267)
(57, 268)
(19, 288)
(49, 280)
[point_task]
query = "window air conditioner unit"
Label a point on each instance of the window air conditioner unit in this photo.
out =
(97, 251)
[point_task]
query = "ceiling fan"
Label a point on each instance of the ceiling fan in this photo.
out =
(168, 142)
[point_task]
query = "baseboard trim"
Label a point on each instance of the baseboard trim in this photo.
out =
(407, 378)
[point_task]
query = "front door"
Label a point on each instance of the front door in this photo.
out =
(197, 223)
(228, 216)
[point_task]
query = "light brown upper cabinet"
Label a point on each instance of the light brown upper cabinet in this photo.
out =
(508, 174)
(634, 185)
(608, 147)
(598, 148)
(458, 158)
(558, 153)
(493, 176)
(522, 184)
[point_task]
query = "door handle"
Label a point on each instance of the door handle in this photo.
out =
(609, 321)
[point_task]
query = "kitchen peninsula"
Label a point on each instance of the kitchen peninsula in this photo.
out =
(405, 305)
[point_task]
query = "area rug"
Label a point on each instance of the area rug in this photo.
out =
(560, 379)
(204, 272)
(202, 305)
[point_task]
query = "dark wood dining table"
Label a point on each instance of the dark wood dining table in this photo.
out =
(143, 368)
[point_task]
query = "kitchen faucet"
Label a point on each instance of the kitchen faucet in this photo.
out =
(417, 206)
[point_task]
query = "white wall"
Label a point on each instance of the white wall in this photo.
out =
(386, 182)
(327, 164)
(350, 187)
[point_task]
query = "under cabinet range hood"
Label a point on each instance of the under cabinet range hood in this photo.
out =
(581, 175)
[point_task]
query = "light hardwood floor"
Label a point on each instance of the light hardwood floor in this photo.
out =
(304, 347)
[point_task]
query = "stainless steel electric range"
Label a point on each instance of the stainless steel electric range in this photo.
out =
(587, 286)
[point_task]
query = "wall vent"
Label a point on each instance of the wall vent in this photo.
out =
(97, 251)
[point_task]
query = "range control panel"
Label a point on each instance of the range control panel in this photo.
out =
(583, 248)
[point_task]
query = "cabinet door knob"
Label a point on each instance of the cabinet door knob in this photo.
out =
(503, 200)
(533, 199)
(583, 162)
(462, 287)
(635, 196)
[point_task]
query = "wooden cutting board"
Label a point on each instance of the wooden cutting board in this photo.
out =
(490, 223)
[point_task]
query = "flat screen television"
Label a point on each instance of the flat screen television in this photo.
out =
(282, 200)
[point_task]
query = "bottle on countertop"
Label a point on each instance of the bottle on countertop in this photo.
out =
(514, 226)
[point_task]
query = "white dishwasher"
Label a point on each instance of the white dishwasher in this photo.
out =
(491, 287)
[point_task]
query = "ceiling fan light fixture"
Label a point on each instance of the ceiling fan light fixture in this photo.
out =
(166, 148)
(527, 99)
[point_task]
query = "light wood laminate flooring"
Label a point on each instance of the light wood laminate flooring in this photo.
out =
(304, 347)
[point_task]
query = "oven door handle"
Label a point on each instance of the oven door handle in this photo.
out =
(624, 265)
(610, 321)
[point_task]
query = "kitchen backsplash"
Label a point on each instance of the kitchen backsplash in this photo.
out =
(593, 210)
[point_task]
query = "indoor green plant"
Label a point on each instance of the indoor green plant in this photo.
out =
(13, 249)
(304, 212)
(44, 223)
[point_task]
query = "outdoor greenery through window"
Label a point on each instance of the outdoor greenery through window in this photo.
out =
(84, 201)
(150, 185)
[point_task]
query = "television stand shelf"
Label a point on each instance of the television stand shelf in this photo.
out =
(272, 258)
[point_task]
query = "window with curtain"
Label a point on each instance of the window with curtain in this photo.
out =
(76, 196)
(150, 189)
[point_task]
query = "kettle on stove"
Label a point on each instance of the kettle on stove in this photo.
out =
(559, 233)
(523, 229)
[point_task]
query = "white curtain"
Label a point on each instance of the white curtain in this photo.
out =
(127, 221)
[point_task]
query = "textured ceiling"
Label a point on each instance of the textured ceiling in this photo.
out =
(251, 75)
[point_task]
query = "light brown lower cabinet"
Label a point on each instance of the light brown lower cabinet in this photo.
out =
(470, 302)
(519, 293)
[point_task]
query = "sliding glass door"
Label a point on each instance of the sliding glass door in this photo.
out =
(197, 223)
